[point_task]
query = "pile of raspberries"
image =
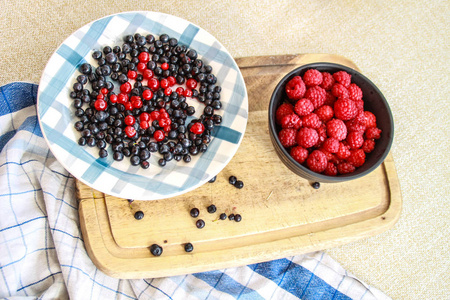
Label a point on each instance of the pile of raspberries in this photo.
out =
(323, 122)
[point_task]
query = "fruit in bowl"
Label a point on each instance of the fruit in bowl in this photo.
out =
(329, 123)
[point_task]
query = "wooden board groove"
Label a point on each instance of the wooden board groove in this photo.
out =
(295, 219)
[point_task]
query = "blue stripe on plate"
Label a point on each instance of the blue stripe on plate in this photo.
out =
(70, 55)
(57, 83)
(227, 134)
(188, 35)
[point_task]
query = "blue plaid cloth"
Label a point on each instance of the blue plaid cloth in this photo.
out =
(42, 254)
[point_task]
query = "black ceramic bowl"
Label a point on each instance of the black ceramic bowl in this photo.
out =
(374, 102)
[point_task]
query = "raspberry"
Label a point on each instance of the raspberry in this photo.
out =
(345, 168)
(345, 109)
(295, 88)
(307, 137)
(373, 133)
(327, 81)
(317, 96)
(339, 91)
(371, 120)
(291, 121)
(359, 105)
(354, 92)
(343, 78)
(354, 125)
(282, 110)
(288, 137)
(331, 145)
(337, 129)
(329, 156)
(329, 99)
(325, 113)
(368, 146)
(312, 77)
(303, 107)
(317, 161)
(357, 157)
(355, 139)
(299, 154)
(322, 132)
(343, 151)
(331, 169)
(312, 121)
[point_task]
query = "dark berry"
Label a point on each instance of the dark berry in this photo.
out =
(200, 224)
(188, 247)
(316, 185)
(231, 217)
(138, 215)
(223, 216)
(194, 212)
(239, 184)
(232, 180)
(213, 179)
(237, 218)
(156, 250)
(212, 209)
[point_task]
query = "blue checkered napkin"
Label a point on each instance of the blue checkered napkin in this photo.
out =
(56, 113)
(42, 252)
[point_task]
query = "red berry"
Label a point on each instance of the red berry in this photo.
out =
(355, 139)
(136, 102)
(331, 169)
(343, 151)
(163, 122)
(154, 115)
(100, 104)
(122, 98)
(171, 80)
(147, 94)
(167, 91)
(197, 128)
(331, 145)
(312, 77)
(153, 84)
(167, 128)
(113, 98)
(291, 121)
(287, 137)
(144, 124)
(307, 137)
(357, 157)
(165, 66)
(312, 121)
(144, 117)
(144, 57)
(371, 120)
(345, 109)
(295, 88)
(282, 110)
(147, 74)
(354, 92)
(141, 66)
(373, 133)
(339, 91)
(317, 96)
(100, 96)
(343, 78)
(132, 74)
(327, 81)
(128, 106)
(336, 128)
(303, 107)
(325, 113)
(329, 99)
(354, 125)
(159, 135)
(359, 105)
(164, 83)
(299, 154)
(104, 91)
(179, 90)
(126, 88)
(130, 131)
(191, 83)
(322, 132)
(368, 146)
(187, 93)
(345, 168)
(129, 120)
(317, 161)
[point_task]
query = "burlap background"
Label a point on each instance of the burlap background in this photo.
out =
(402, 46)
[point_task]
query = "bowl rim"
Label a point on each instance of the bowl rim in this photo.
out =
(319, 176)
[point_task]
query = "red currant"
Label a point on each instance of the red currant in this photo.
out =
(191, 83)
(164, 122)
(100, 104)
(147, 74)
(132, 74)
(187, 93)
(144, 57)
(167, 91)
(100, 96)
(144, 117)
(144, 124)
(129, 120)
(147, 94)
(125, 88)
(165, 66)
(154, 115)
(164, 83)
(153, 84)
(104, 91)
(159, 135)
(197, 128)
(137, 103)
(130, 131)
(128, 106)
(113, 98)
(180, 90)
(167, 128)
(141, 67)
(171, 80)
(122, 98)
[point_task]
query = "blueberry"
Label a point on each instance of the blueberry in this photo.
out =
(138, 215)
(237, 218)
(212, 209)
(156, 250)
(212, 179)
(194, 212)
(231, 217)
(316, 185)
(200, 224)
(223, 216)
(232, 180)
(188, 247)
(239, 184)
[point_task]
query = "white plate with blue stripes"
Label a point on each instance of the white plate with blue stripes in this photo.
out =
(121, 179)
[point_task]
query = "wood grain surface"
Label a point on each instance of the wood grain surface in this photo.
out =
(282, 215)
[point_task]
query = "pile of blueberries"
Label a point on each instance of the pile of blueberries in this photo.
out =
(168, 60)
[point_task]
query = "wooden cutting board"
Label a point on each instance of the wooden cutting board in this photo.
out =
(282, 215)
